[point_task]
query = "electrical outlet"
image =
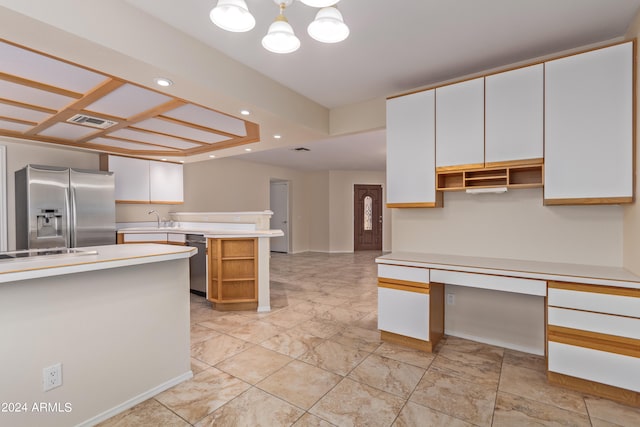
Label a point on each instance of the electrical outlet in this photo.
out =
(52, 377)
(451, 299)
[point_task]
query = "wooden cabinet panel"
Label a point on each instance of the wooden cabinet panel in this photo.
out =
(589, 127)
(165, 183)
(411, 151)
(460, 125)
(514, 107)
(131, 178)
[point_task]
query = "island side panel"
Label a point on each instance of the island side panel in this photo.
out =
(121, 334)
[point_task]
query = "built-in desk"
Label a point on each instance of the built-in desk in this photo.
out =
(592, 336)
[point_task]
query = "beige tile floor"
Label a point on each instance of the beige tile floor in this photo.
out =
(316, 360)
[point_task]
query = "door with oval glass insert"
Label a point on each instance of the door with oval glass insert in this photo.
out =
(367, 216)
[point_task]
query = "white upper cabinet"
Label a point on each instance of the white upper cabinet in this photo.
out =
(514, 110)
(131, 178)
(165, 182)
(411, 150)
(460, 124)
(589, 127)
(145, 181)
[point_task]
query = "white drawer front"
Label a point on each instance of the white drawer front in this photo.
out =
(145, 237)
(176, 237)
(411, 274)
(403, 313)
(599, 366)
(486, 281)
(593, 301)
(595, 322)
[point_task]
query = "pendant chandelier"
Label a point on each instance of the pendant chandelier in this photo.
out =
(327, 27)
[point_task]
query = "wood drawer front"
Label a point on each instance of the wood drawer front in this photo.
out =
(595, 322)
(403, 313)
(145, 237)
(487, 281)
(595, 301)
(600, 366)
(409, 274)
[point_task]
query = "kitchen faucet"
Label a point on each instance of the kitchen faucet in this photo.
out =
(157, 217)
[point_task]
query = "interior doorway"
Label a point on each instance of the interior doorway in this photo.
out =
(367, 217)
(279, 205)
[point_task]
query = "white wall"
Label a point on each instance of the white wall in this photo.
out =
(512, 225)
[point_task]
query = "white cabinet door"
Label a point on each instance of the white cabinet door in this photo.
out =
(165, 181)
(514, 107)
(131, 178)
(411, 150)
(589, 127)
(403, 313)
(460, 124)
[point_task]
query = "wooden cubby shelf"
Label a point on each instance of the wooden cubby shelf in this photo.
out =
(521, 176)
(233, 273)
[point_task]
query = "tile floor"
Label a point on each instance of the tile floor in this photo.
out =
(316, 360)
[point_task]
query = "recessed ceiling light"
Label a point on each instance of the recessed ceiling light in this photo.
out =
(161, 81)
(276, 136)
(247, 149)
(245, 112)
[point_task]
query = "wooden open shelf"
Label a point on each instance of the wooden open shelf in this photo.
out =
(233, 273)
(521, 176)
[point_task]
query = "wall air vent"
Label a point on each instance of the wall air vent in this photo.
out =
(94, 122)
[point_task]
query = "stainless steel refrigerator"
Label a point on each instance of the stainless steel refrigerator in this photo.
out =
(64, 207)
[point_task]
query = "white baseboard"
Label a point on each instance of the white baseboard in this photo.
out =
(264, 309)
(135, 400)
(497, 343)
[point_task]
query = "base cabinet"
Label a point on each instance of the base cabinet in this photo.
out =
(593, 335)
(410, 313)
(233, 273)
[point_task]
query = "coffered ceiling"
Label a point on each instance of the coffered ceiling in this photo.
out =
(45, 99)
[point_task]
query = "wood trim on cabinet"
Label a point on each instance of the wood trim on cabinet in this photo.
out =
(436, 313)
(628, 397)
(594, 340)
(589, 201)
(132, 202)
(599, 289)
(413, 205)
(426, 346)
(400, 285)
(511, 163)
(163, 202)
(461, 168)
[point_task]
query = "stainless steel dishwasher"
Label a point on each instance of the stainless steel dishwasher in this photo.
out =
(198, 264)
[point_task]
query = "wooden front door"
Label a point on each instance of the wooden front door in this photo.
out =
(367, 226)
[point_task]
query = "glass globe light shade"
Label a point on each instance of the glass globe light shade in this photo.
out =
(319, 3)
(232, 15)
(328, 27)
(280, 37)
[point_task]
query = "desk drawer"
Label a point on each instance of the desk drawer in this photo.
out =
(145, 237)
(487, 281)
(603, 367)
(398, 272)
(601, 299)
(621, 326)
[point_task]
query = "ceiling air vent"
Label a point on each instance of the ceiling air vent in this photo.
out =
(94, 122)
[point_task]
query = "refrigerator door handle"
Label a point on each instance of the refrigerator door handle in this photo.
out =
(72, 219)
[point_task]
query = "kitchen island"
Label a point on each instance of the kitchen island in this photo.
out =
(237, 253)
(117, 321)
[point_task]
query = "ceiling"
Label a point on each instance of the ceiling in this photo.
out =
(46, 99)
(394, 47)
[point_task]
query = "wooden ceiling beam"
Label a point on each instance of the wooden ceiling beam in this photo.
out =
(41, 86)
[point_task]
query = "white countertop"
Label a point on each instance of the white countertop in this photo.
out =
(213, 234)
(109, 256)
(590, 274)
